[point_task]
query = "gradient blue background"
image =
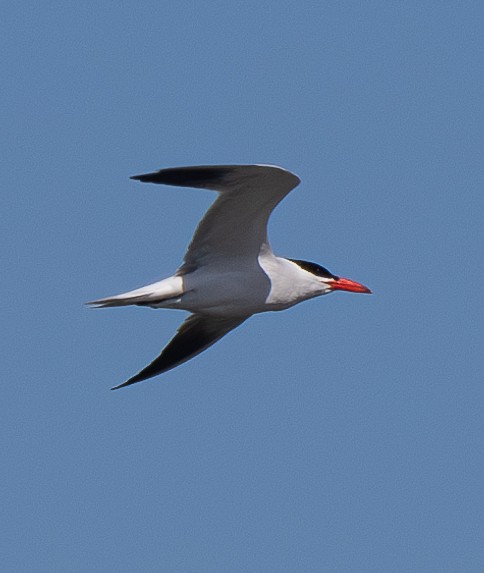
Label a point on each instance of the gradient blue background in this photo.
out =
(345, 434)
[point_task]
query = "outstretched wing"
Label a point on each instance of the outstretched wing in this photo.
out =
(195, 335)
(236, 224)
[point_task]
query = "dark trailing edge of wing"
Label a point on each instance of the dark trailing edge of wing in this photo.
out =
(195, 335)
(201, 176)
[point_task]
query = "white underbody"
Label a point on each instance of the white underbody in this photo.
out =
(242, 288)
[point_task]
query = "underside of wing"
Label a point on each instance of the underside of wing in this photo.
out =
(195, 335)
(236, 223)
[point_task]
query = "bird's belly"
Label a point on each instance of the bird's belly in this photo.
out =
(226, 294)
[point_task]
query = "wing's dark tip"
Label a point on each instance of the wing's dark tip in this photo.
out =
(132, 380)
(196, 334)
(144, 178)
(201, 176)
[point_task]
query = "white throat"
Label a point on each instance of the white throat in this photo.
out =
(290, 284)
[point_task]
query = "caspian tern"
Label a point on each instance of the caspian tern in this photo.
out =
(229, 271)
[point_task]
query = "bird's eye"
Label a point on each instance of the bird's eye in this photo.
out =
(324, 273)
(314, 269)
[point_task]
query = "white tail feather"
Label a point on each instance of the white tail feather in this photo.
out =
(150, 294)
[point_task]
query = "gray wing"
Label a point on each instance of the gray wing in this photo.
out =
(195, 335)
(236, 223)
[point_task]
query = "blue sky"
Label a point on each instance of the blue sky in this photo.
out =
(342, 435)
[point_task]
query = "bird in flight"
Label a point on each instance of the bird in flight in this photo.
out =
(229, 271)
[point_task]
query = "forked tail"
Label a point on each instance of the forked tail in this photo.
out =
(148, 295)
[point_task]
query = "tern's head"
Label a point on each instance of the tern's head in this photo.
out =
(330, 282)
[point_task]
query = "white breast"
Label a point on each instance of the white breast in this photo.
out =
(289, 283)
